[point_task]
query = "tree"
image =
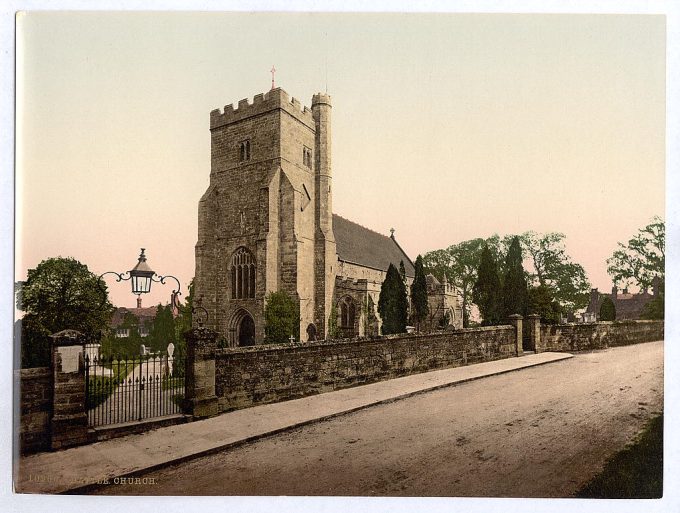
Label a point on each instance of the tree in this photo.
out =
(654, 310)
(642, 258)
(402, 271)
(184, 320)
(486, 292)
(281, 318)
(183, 323)
(543, 303)
(393, 303)
(459, 263)
(607, 310)
(514, 291)
(419, 303)
(163, 328)
(553, 268)
(60, 293)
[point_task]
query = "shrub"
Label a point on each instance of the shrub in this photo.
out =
(281, 318)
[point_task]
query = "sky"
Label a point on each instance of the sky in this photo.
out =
(445, 127)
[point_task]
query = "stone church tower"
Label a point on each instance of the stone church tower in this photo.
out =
(265, 223)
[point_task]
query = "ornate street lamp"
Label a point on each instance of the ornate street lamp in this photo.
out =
(141, 276)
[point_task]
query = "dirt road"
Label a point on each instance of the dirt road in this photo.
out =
(540, 432)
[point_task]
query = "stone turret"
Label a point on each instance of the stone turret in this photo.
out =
(321, 110)
(325, 255)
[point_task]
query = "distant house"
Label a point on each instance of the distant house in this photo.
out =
(628, 306)
(144, 317)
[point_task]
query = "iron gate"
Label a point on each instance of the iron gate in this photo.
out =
(122, 389)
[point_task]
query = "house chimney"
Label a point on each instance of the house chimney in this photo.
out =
(656, 282)
(614, 291)
(139, 302)
(625, 290)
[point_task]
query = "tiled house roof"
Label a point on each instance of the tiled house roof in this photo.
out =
(358, 245)
(147, 314)
(628, 306)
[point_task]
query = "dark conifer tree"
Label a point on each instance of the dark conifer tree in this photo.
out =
(402, 271)
(393, 303)
(419, 306)
(486, 292)
(515, 298)
(607, 310)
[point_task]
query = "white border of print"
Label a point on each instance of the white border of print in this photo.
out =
(671, 499)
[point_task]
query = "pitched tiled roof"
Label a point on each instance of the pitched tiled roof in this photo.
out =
(143, 314)
(359, 245)
(628, 306)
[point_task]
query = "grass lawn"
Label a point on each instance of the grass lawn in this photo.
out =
(634, 473)
(101, 387)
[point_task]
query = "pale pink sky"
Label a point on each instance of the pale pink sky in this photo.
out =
(445, 127)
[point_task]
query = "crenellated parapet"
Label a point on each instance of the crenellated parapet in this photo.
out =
(263, 102)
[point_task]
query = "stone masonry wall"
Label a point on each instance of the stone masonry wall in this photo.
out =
(264, 374)
(579, 337)
(35, 409)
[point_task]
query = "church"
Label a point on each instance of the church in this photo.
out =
(266, 224)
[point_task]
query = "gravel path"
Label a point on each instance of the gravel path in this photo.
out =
(539, 432)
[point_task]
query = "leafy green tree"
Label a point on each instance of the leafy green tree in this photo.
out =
(60, 293)
(459, 263)
(281, 318)
(182, 324)
(393, 303)
(642, 258)
(543, 303)
(419, 303)
(553, 268)
(514, 291)
(184, 321)
(486, 292)
(607, 310)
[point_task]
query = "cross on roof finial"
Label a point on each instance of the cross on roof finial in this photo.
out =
(392, 232)
(272, 71)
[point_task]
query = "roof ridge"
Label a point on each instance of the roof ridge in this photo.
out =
(402, 251)
(362, 226)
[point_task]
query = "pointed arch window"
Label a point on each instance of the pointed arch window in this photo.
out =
(307, 157)
(244, 150)
(347, 316)
(242, 271)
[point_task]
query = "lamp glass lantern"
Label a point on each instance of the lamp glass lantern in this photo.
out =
(141, 276)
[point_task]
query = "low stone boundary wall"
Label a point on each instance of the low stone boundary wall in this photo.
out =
(35, 388)
(265, 374)
(599, 335)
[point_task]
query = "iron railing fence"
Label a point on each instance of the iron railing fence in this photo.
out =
(128, 389)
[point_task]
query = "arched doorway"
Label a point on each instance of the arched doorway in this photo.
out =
(246, 331)
(311, 333)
